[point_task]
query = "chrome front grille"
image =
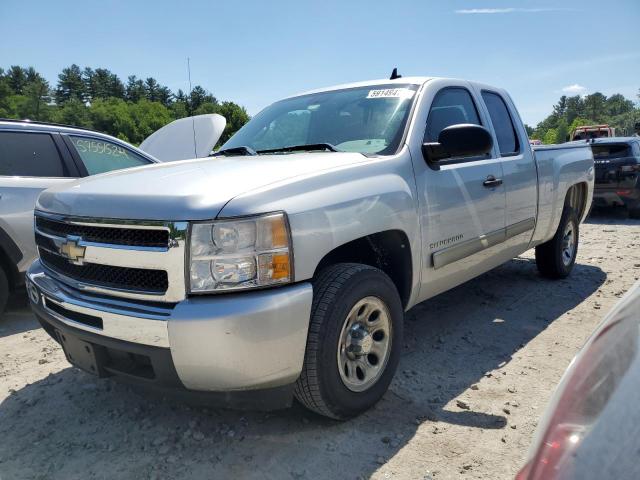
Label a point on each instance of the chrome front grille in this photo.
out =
(134, 279)
(102, 234)
(132, 259)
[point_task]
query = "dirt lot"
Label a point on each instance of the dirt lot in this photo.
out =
(479, 365)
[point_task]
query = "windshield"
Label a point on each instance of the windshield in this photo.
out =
(367, 120)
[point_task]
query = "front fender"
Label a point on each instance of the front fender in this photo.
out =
(335, 207)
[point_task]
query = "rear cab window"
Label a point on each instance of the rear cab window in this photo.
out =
(30, 154)
(100, 156)
(506, 135)
(610, 151)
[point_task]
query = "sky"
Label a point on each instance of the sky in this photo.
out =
(255, 52)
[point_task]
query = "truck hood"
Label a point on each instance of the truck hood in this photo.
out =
(183, 190)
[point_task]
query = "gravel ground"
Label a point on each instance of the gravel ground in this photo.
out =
(479, 365)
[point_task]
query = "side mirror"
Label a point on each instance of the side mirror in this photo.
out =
(462, 140)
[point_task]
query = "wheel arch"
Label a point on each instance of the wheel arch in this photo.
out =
(576, 198)
(389, 250)
(10, 256)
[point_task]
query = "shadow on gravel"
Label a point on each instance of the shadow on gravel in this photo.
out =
(610, 216)
(17, 317)
(476, 328)
(70, 425)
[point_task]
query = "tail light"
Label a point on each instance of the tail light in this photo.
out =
(588, 385)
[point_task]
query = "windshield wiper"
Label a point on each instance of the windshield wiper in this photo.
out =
(303, 148)
(233, 151)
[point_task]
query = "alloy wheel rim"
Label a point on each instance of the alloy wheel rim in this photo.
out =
(364, 344)
(568, 244)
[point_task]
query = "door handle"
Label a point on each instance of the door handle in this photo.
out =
(492, 181)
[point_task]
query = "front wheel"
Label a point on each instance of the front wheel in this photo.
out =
(555, 258)
(354, 341)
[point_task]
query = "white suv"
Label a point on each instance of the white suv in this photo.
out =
(34, 157)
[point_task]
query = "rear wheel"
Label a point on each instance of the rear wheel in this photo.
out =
(555, 258)
(354, 341)
(4, 290)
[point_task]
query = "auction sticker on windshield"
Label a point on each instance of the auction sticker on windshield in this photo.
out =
(391, 93)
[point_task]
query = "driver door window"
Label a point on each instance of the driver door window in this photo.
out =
(451, 106)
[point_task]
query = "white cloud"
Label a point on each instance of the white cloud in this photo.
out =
(472, 11)
(574, 89)
(488, 11)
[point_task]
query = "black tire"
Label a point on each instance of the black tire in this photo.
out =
(4, 290)
(336, 290)
(549, 255)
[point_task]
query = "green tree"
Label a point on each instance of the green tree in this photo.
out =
(38, 98)
(235, 115)
(152, 88)
(595, 106)
(165, 96)
(575, 108)
(199, 96)
(550, 136)
(148, 117)
(101, 83)
(562, 131)
(529, 129)
(70, 85)
(113, 116)
(135, 90)
(560, 108)
(17, 79)
(617, 105)
(5, 92)
(616, 111)
(98, 99)
(72, 112)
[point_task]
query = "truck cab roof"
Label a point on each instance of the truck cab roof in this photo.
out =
(382, 81)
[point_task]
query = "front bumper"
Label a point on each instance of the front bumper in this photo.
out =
(220, 343)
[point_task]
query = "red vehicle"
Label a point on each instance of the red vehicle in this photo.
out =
(593, 131)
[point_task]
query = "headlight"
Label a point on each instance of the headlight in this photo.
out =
(240, 253)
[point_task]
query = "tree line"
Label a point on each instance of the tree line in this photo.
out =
(100, 100)
(594, 109)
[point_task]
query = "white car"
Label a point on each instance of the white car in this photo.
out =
(33, 157)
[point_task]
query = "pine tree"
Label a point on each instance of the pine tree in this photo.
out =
(70, 85)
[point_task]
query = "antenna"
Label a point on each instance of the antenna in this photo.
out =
(394, 74)
(193, 122)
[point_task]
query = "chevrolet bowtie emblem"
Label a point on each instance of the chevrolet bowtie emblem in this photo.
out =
(71, 250)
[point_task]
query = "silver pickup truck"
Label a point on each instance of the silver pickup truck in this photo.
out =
(283, 266)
